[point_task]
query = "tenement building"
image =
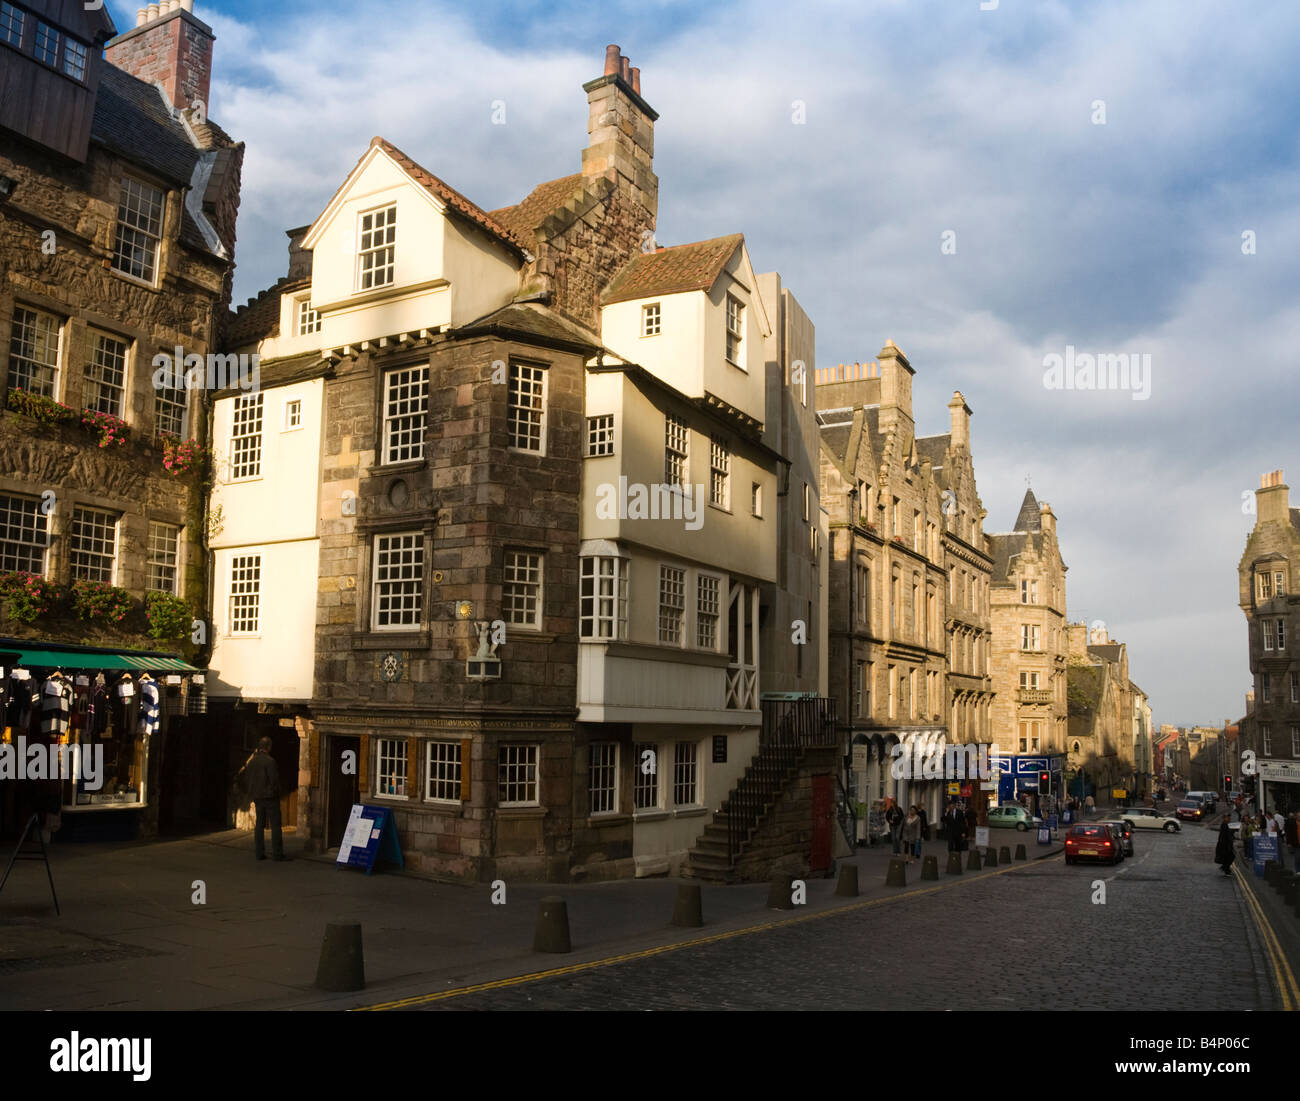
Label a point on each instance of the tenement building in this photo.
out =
(1267, 594)
(118, 198)
(1100, 701)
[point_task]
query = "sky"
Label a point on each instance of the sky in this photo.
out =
(987, 184)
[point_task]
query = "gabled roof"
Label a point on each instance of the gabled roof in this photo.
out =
(933, 448)
(529, 321)
(1004, 547)
(259, 318)
(1030, 516)
(693, 267)
(1108, 651)
(524, 217)
(447, 195)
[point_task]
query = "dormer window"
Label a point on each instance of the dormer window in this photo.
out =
(74, 59)
(308, 320)
(139, 229)
(375, 257)
(650, 320)
(735, 331)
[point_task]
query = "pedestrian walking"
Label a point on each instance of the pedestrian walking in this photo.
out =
(954, 824)
(894, 820)
(1248, 836)
(912, 834)
(261, 776)
(1223, 853)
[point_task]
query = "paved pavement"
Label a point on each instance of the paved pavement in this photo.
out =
(132, 936)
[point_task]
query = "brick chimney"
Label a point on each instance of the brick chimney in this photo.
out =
(621, 129)
(959, 421)
(168, 46)
(1272, 499)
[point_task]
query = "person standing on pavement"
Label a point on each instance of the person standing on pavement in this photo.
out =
(1090, 803)
(954, 823)
(1223, 853)
(1279, 830)
(1248, 836)
(261, 776)
(894, 820)
(912, 834)
(925, 822)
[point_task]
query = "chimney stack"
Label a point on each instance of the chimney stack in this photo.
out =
(1272, 499)
(895, 389)
(168, 46)
(299, 257)
(959, 421)
(621, 128)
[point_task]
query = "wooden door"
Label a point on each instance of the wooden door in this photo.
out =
(343, 787)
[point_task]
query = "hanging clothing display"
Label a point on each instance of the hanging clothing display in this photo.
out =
(148, 706)
(56, 707)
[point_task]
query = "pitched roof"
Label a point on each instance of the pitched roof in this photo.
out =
(1109, 651)
(449, 196)
(259, 318)
(530, 320)
(524, 217)
(693, 267)
(1004, 547)
(1030, 517)
(933, 448)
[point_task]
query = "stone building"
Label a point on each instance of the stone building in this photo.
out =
(118, 199)
(908, 652)
(1100, 698)
(1268, 598)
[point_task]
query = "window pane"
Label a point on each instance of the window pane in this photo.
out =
(399, 579)
(23, 535)
(164, 552)
(377, 251)
(444, 771)
(106, 375)
(246, 437)
(527, 406)
(34, 352)
(245, 593)
(517, 774)
(93, 543)
(139, 228)
(522, 589)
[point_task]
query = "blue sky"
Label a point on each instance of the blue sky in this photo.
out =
(921, 117)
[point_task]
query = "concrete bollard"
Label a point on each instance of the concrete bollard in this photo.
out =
(1021, 854)
(552, 933)
(954, 863)
(688, 909)
(897, 874)
(342, 966)
(847, 885)
(1004, 855)
(780, 894)
(991, 857)
(930, 868)
(973, 860)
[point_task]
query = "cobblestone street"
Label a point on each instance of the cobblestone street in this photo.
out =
(1031, 939)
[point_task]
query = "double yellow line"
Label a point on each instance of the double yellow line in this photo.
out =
(646, 953)
(1282, 973)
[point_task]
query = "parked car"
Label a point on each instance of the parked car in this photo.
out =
(1147, 818)
(1092, 841)
(1191, 808)
(1209, 798)
(1013, 816)
(1125, 832)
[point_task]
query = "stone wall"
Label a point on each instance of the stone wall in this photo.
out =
(783, 842)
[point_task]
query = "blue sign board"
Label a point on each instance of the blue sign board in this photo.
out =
(1265, 850)
(1053, 822)
(371, 835)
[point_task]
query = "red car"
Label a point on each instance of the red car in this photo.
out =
(1191, 808)
(1092, 841)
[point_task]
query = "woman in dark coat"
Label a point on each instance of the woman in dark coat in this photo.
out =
(1223, 850)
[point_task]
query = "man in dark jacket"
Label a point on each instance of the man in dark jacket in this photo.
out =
(261, 778)
(1223, 853)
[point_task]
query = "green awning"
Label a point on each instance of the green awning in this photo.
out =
(100, 659)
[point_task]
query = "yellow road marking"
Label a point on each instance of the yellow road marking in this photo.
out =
(646, 953)
(1282, 973)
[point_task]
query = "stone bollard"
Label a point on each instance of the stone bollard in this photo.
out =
(1021, 854)
(780, 895)
(552, 933)
(991, 858)
(973, 860)
(342, 966)
(954, 863)
(1004, 855)
(897, 874)
(688, 909)
(930, 868)
(1271, 868)
(847, 885)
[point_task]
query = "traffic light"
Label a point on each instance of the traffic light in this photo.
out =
(1227, 783)
(1044, 783)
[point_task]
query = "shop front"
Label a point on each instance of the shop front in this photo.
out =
(83, 734)
(1020, 780)
(1280, 785)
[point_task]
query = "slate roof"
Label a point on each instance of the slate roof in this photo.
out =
(449, 196)
(1004, 547)
(1030, 517)
(1109, 651)
(259, 318)
(532, 321)
(933, 448)
(524, 217)
(693, 267)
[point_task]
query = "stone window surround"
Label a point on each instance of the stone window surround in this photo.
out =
(365, 637)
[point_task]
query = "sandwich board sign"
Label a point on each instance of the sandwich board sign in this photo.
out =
(371, 835)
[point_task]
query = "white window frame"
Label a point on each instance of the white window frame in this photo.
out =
(652, 319)
(405, 409)
(518, 773)
(677, 450)
(602, 597)
(376, 248)
(306, 321)
(392, 750)
(166, 400)
(30, 344)
(164, 553)
(756, 499)
(719, 474)
(735, 331)
(1266, 738)
(246, 425)
(686, 773)
(602, 778)
(1030, 638)
(87, 544)
(600, 435)
(527, 422)
(672, 605)
(401, 586)
(105, 362)
(141, 209)
(444, 758)
(292, 415)
(1280, 627)
(1295, 741)
(245, 594)
(1264, 584)
(24, 528)
(523, 581)
(709, 590)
